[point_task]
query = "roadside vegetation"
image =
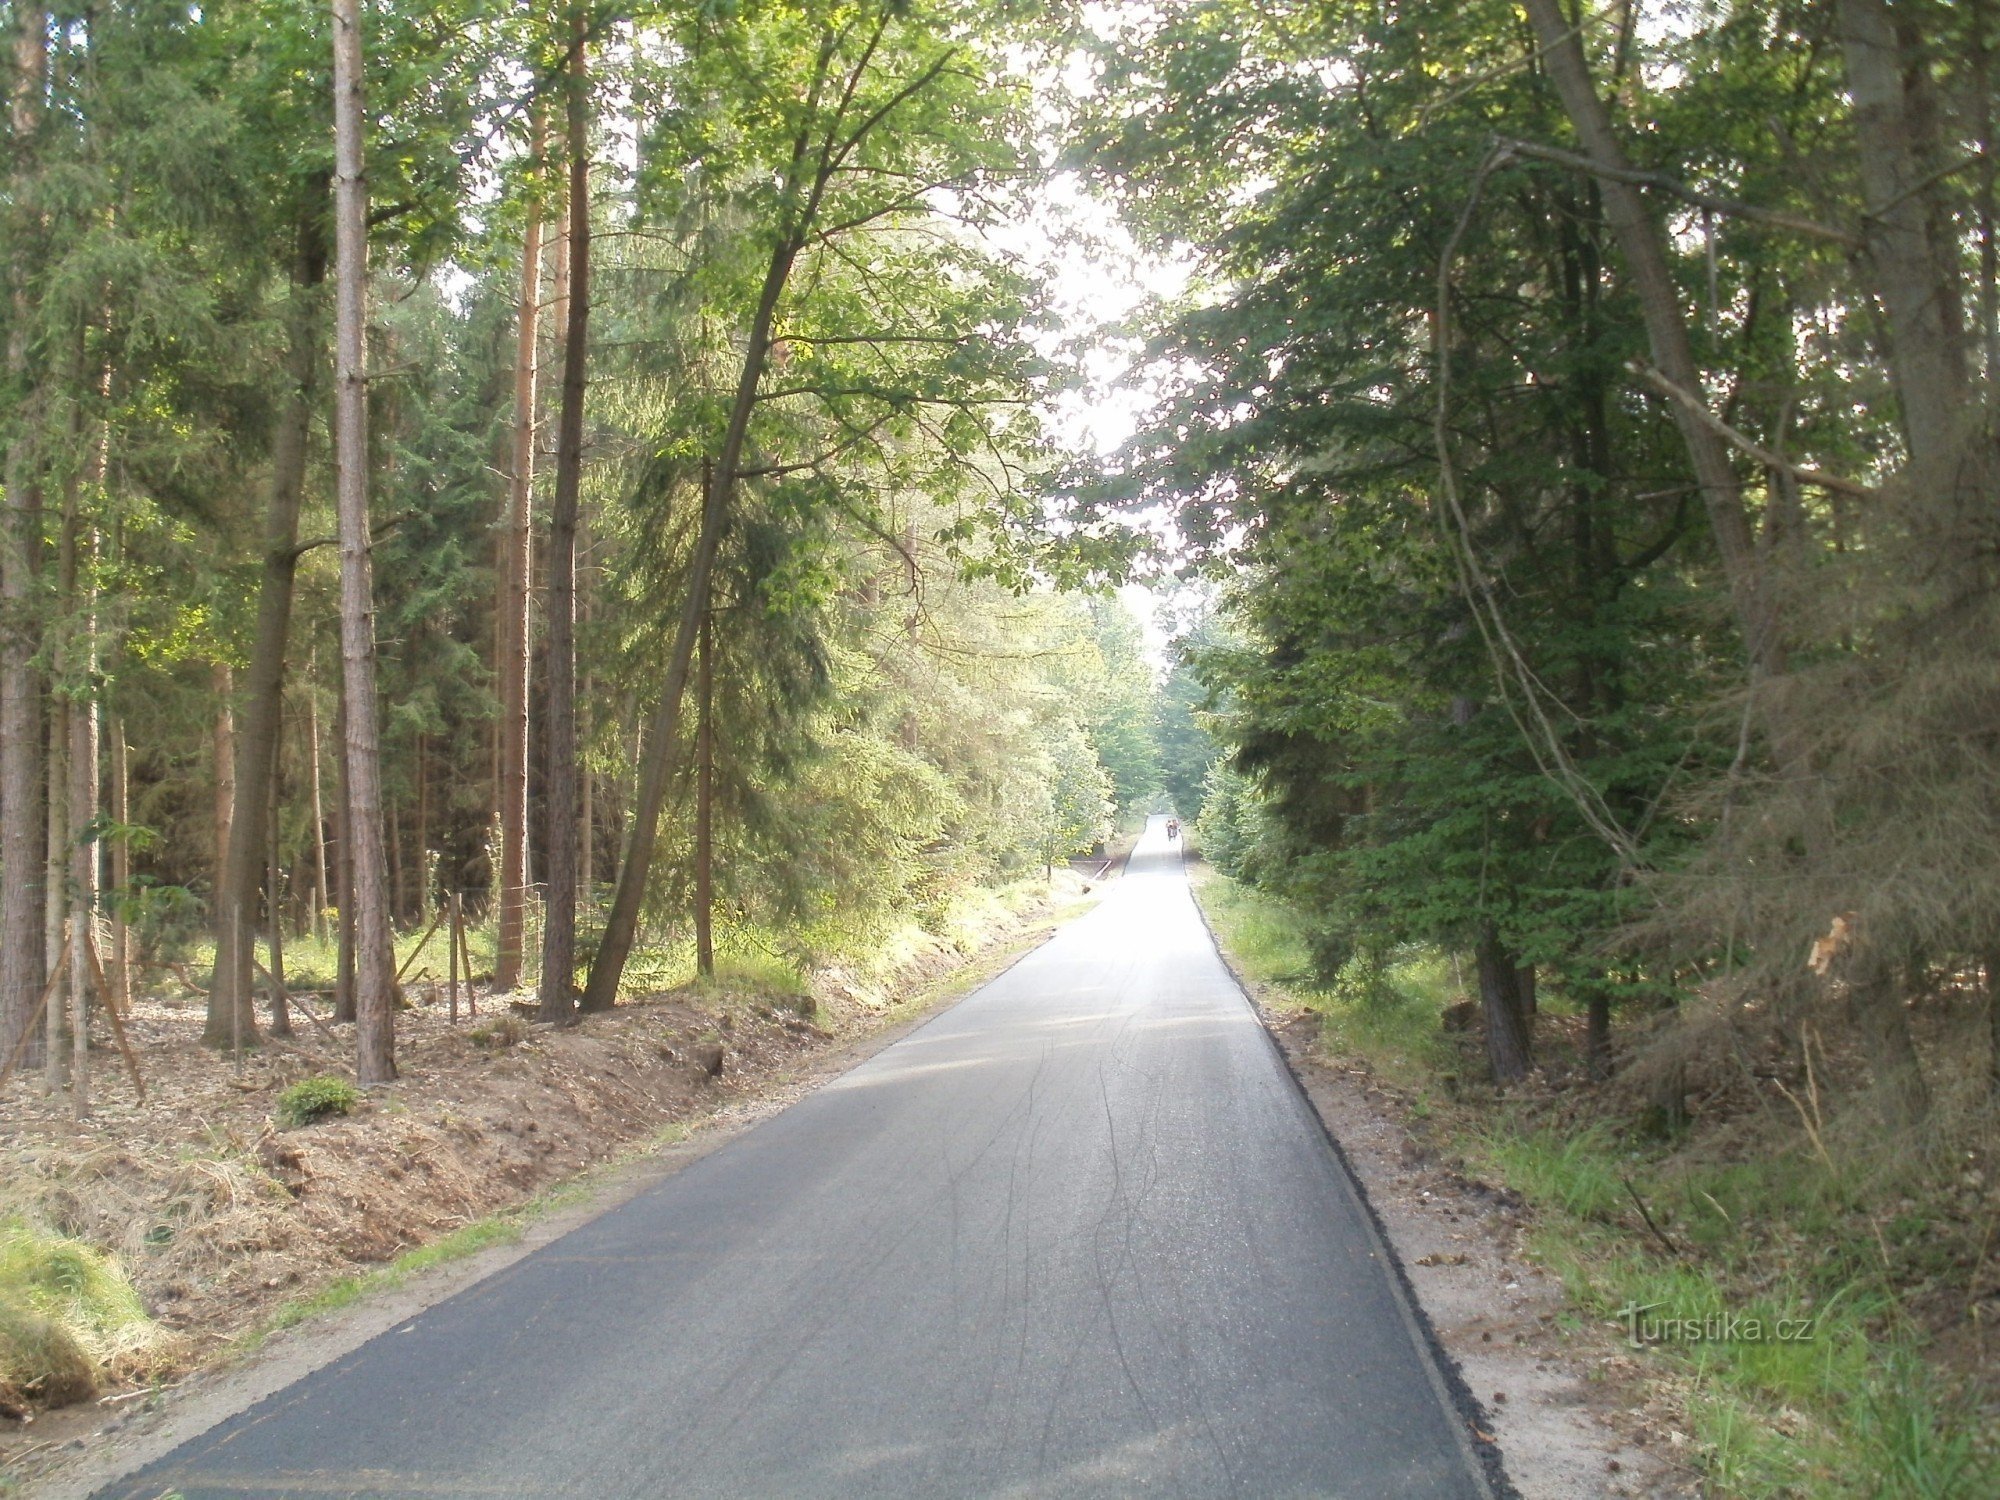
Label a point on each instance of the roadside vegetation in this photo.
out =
(1585, 430)
(1745, 1214)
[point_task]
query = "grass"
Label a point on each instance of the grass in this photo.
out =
(67, 1313)
(1788, 1233)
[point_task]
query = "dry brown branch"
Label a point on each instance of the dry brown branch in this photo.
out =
(1647, 1214)
(117, 1021)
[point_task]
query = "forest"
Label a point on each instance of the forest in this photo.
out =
(606, 481)
(582, 480)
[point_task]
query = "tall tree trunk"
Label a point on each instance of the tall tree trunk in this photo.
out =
(232, 1001)
(517, 575)
(704, 803)
(559, 782)
(23, 958)
(374, 973)
(1915, 276)
(1643, 244)
(1508, 1050)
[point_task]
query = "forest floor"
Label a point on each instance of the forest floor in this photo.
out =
(231, 1227)
(1529, 1221)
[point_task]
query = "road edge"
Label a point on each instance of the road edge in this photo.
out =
(210, 1397)
(1483, 1458)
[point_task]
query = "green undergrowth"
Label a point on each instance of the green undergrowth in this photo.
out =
(771, 963)
(792, 967)
(313, 1099)
(1785, 1230)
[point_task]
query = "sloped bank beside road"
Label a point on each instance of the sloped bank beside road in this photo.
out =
(230, 1226)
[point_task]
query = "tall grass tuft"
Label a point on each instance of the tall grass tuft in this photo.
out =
(68, 1315)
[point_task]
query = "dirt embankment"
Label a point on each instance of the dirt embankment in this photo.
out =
(222, 1218)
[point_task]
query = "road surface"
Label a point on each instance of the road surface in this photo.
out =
(1078, 1235)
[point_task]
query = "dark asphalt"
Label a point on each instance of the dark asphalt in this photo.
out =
(1078, 1235)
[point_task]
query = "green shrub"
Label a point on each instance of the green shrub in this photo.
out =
(312, 1099)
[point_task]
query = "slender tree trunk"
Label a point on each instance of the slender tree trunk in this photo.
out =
(121, 864)
(1993, 1020)
(60, 866)
(586, 783)
(517, 574)
(23, 958)
(55, 892)
(1508, 1050)
(322, 889)
(423, 828)
(79, 547)
(559, 783)
(586, 861)
(274, 916)
(232, 1012)
(704, 802)
(343, 872)
(1989, 172)
(374, 973)
(222, 682)
(399, 886)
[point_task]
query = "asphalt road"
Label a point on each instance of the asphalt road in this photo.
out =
(1078, 1235)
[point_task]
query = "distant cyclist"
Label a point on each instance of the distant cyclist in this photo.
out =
(1173, 828)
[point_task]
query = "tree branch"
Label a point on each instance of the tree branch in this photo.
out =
(1638, 177)
(1699, 410)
